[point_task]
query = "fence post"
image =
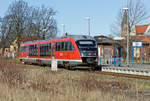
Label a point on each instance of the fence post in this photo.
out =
(141, 55)
(54, 64)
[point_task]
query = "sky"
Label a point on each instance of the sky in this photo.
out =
(72, 13)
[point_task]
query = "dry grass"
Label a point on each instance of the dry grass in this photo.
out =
(19, 83)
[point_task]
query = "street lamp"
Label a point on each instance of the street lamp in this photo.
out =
(127, 36)
(63, 28)
(88, 19)
(44, 33)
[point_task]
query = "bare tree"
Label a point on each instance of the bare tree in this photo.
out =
(42, 22)
(18, 12)
(7, 32)
(137, 14)
(24, 20)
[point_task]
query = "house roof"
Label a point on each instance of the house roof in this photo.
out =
(106, 40)
(140, 29)
(103, 39)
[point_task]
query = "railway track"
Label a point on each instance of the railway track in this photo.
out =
(116, 74)
(124, 75)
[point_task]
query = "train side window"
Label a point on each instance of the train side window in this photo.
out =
(70, 46)
(30, 50)
(66, 46)
(62, 46)
(58, 46)
(45, 50)
(23, 49)
(33, 50)
(42, 50)
(49, 50)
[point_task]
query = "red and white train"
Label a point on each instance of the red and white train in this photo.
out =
(69, 51)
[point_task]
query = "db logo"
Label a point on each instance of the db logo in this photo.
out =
(61, 54)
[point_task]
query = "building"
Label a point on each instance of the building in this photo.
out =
(14, 46)
(124, 25)
(107, 47)
(142, 33)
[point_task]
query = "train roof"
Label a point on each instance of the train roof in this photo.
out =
(79, 37)
(75, 37)
(33, 41)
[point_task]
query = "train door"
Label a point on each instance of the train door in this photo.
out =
(27, 50)
(53, 50)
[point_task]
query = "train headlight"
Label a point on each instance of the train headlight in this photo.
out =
(89, 54)
(82, 54)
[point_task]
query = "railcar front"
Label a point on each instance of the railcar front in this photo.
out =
(88, 51)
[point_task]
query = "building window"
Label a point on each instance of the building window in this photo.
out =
(145, 44)
(140, 34)
(33, 50)
(45, 50)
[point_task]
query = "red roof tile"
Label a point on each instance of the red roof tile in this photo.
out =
(140, 29)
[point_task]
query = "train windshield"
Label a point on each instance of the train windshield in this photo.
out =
(85, 43)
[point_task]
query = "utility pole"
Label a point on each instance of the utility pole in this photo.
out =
(89, 29)
(63, 29)
(127, 36)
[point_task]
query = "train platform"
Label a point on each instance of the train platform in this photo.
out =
(136, 69)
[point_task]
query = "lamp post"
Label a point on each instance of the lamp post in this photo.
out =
(88, 19)
(63, 28)
(127, 36)
(44, 33)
